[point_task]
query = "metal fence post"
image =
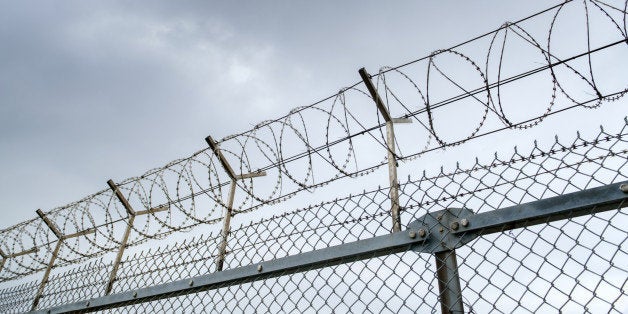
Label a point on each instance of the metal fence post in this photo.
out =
(390, 142)
(226, 222)
(226, 228)
(123, 244)
(450, 293)
(125, 237)
(60, 238)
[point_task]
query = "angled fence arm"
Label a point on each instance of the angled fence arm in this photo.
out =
(60, 239)
(221, 158)
(49, 223)
(55, 252)
(226, 221)
(44, 280)
(125, 237)
(5, 256)
(390, 142)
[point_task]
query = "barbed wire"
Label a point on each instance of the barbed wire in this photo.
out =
(524, 175)
(299, 155)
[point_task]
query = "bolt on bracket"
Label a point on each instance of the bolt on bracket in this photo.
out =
(440, 226)
(454, 227)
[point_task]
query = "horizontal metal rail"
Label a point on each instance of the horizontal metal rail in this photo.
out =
(587, 202)
(359, 250)
(454, 227)
(451, 225)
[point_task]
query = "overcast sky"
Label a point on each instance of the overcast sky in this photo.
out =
(96, 90)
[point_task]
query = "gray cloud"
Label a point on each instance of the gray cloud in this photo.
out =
(93, 90)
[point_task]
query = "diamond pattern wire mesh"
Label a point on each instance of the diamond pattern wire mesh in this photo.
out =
(179, 261)
(81, 283)
(18, 298)
(562, 58)
(572, 265)
(391, 287)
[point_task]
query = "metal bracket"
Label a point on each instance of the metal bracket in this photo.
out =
(452, 228)
(440, 225)
(152, 210)
(442, 242)
(401, 120)
(250, 175)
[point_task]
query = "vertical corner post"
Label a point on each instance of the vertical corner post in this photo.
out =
(392, 156)
(450, 292)
(226, 221)
(125, 237)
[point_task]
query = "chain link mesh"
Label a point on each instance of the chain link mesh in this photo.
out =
(573, 265)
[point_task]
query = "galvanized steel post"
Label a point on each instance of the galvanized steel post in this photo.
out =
(226, 222)
(123, 244)
(125, 237)
(390, 142)
(450, 293)
(60, 238)
(44, 280)
(226, 228)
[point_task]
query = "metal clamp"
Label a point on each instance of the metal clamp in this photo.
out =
(441, 226)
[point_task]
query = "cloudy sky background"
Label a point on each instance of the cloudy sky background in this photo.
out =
(97, 90)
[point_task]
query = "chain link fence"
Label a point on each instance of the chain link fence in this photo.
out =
(572, 265)
(152, 243)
